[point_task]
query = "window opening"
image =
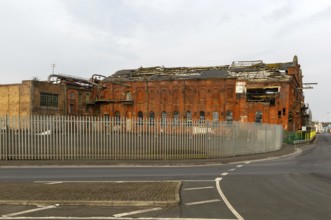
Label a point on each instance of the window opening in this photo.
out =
(264, 95)
(176, 118)
(202, 117)
(140, 118)
(258, 117)
(189, 118)
(151, 118)
(117, 117)
(49, 100)
(215, 119)
(163, 118)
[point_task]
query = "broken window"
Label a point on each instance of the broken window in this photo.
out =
(151, 117)
(215, 116)
(163, 118)
(176, 118)
(258, 117)
(202, 117)
(128, 96)
(229, 116)
(117, 117)
(140, 118)
(189, 118)
(265, 95)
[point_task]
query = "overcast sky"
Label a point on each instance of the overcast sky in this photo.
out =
(85, 37)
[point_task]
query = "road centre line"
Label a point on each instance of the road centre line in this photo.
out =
(224, 174)
(240, 165)
(233, 169)
(198, 188)
(203, 202)
(30, 210)
(102, 218)
(226, 201)
(136, 212)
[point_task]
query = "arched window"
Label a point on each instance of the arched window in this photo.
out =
(176, 118)
(163, 118)
(176, 96)
(215, 119)
(202, 117)
(72, 96)
(140, 117)
(140, 96)
(215, 116)
(117, 117)
(258, 117)
(72, 103)
(189, 118)
(229, 116)
(106, 118)
(151, 117)
(128, 96)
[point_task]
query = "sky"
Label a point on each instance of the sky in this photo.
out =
(86, 37)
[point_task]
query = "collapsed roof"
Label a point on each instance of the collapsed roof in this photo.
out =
(244, 70)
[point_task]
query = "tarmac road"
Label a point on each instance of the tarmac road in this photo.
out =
(292, 187)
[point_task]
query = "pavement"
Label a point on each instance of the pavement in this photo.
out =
(109, 193)
(285, 150)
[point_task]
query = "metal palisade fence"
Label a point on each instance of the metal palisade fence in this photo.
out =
(77, 137)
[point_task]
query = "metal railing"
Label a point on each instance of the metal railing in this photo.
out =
(72, 137)
(293, 137)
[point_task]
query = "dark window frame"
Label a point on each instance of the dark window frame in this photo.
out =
(49, 100)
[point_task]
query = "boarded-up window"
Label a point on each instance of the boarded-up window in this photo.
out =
(140, 96)
(164, 96)
(176, 96)
(117, 95)
(202, 96)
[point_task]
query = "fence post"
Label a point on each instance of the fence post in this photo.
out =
(7, 137)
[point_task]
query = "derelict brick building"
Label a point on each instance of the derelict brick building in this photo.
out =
(250, 91)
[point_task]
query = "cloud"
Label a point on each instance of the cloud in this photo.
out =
(83, 37)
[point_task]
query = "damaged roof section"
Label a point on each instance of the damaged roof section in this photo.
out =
(244, 70)
(75, 81)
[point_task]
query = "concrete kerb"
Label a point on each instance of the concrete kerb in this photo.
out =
(89, 203)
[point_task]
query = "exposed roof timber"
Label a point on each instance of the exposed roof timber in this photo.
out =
(68, 78)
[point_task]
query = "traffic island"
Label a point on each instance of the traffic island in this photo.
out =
(91, 193)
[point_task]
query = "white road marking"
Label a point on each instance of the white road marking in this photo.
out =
(132, 181)
(198, 188)
(233, 169)
(203, 202)
(103, 218)
(228, 204)
(224, 174)
(136, 212)
(240, 165)
(247, 162)
(30, 210)
(52, 183)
